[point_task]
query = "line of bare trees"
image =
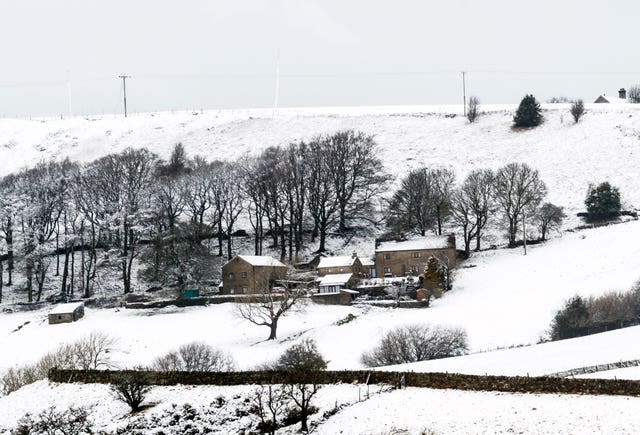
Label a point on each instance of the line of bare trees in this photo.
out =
(66, 219)
(511, 196)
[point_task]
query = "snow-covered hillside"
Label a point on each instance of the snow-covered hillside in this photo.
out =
(408, 411)
(604, 145)
(506, 299)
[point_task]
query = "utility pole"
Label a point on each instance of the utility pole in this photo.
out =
(464, 94)
(524, 233)
(124, 88)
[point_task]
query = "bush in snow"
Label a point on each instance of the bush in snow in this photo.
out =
(131, 388)
(303, 356)
(577, 110)
(603, 201)
(195, 357)
(472, 109)
(89, 353)
(414, 343)
(72, 421)
(529, 113)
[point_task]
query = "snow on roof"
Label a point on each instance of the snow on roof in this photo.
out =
(261, 260)
(338, 261)
(368, 262)
(440, 242)
(66, 308)
(335, 279)
(612, 99)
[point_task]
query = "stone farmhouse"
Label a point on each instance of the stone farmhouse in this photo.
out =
(334, 283)
(340, 265)
(249, 274)
(399, 259)
(620, 99)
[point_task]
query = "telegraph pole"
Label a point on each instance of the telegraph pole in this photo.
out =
(464, 94)
(124, 88)
(524, 233)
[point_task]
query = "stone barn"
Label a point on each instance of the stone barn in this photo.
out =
(66, 313)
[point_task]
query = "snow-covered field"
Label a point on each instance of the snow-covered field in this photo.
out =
(604, 145)
(501, 297)
(507, 299)
(407, 411)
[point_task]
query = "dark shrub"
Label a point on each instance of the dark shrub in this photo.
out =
(603, 201)
(528, 113)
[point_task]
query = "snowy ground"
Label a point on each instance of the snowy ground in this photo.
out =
(464, 412)
(508, 299)
(604, 145)
(411, 410)
(505, 299)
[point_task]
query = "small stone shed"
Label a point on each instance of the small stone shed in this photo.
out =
(66, 313)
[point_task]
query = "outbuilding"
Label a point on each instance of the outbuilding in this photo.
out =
(66, 313)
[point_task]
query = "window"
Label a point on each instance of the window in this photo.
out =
(386, 256)
(342, 269)
(245, 290)
(231, 276)
(232, 291)
(329, 270)
(414, 269)
(243, 275)
(416, 255)
(387, 270)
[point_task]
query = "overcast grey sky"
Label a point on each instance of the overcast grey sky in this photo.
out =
(192, 54)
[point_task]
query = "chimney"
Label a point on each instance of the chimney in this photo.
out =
(354, 255)
(622, 93)
(451, 240)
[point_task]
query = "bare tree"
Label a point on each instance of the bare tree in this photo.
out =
(518, 189)
(443, 182)
(269, 403)
(577, 110)
(302, 394)
(422, 201)
(356, 172)
(412, 343)
(322, 200)
(410, 208)
(265, 308)
(548, 218)
(195, 357)
(633, 94)
(472, 204)
(473, 109)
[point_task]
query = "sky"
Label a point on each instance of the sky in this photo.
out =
(65, 56)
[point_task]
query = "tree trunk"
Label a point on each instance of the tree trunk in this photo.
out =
(303, 419)
(273, 327)
(1, 279)
(57, 247)
(65, 271)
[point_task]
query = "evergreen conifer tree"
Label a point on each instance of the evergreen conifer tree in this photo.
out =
(528, 113)
(603, 201)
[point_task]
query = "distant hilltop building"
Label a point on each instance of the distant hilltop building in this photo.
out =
(621, 98)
